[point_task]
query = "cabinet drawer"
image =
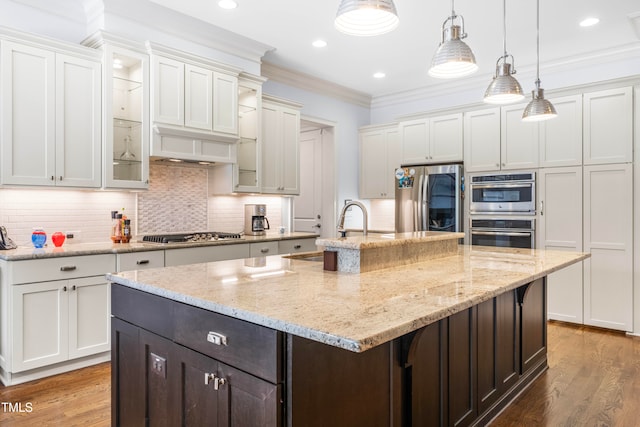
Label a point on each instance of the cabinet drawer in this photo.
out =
(140, 260)
(297, 245)
(252, 348)
(184, 256)
(263, 249)
(46, 269)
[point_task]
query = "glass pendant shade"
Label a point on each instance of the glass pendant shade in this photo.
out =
(366, 17)
(504, 88)
(538, 109)
(453, 58)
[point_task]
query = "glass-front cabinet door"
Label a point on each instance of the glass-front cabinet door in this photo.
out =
(126, 124)
(247, 169)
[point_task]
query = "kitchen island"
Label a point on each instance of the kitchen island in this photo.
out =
(441, 342)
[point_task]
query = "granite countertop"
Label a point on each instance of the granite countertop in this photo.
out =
(351, 311)
(77, 249)
(389, 239)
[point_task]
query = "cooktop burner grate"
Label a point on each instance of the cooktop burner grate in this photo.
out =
(190, 237)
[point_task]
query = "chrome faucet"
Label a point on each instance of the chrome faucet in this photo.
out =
(343, 213)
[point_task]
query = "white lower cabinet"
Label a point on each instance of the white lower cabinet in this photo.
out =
(55, 315)
(608, 236)
(297, 245)
(560, 228)
(60, 320)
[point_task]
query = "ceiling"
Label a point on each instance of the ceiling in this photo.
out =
(404, 55)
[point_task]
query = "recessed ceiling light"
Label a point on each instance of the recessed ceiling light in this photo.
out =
(319, 43)
(227, 4)
(588, 22)
(379, 75)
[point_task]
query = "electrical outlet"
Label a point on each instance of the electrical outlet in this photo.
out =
(73, 236)
(158, 365)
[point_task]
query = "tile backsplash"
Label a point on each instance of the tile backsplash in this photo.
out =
(177, 201)
(86, 213)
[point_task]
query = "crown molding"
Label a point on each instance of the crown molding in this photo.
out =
(571, 63)
(314, 84)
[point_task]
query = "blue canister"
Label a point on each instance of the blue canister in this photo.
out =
(38, 237)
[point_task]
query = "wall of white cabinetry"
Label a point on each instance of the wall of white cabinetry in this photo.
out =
(51, 107)
(590, 208)
(431, 140)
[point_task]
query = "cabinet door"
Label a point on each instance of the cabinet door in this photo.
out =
(560, 228)
(462, 367)
(225, 107)
(270, 155)
(198, 108)
(373, 161)
(249, 401)
(519, 140)
(126, 118)
(445, 138)
(414, 138)
(28, 115)
(168, 91)
(533, 324)
(482, 140)
(127, 381)
(89, 313)
(608, 221)
(608, 126)
(40, 320)
(198, 385)
(290, 151)
(78, 122)
(561, 138)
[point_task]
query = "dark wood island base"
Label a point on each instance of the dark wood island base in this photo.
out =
(175, 364)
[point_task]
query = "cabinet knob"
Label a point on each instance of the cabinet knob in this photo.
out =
(53, 178)
(67, 268)
(64, 289)
(142, 261)
(73, 288)
(297, 246)
(264, 250)
(217, 381)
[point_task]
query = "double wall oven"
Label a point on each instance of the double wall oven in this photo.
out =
(502, 210)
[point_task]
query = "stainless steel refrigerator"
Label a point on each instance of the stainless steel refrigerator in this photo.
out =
(429, 198)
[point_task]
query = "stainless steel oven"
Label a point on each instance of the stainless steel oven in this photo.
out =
(503, 232)
(512, 193)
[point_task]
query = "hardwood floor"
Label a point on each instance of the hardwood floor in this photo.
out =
(79, 398)
(593, 380)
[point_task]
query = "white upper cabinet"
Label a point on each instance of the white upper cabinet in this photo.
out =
(280, 146)
(518, 139)
(126, 117)
(608, 126)
(379, 157)
(193, 96)
(431, 140)
(51, 115)
(482, 140)
(497, 139)
(561, 137)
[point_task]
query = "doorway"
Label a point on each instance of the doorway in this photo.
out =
(314, 209)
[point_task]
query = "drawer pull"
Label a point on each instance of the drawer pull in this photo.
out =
(67, 268)
(216, 338)
(142, 261)
(264, 250)
(297, 246)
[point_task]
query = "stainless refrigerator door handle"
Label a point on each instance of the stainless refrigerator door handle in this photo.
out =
(418, 216)
(425, 203)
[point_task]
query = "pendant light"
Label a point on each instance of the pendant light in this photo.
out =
(504, 88)
(453, 58)
(539, 108)
(366, 17)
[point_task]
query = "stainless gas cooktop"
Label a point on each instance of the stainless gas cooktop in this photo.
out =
(207, 236)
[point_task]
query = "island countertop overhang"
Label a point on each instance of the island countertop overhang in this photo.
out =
(347, 310)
